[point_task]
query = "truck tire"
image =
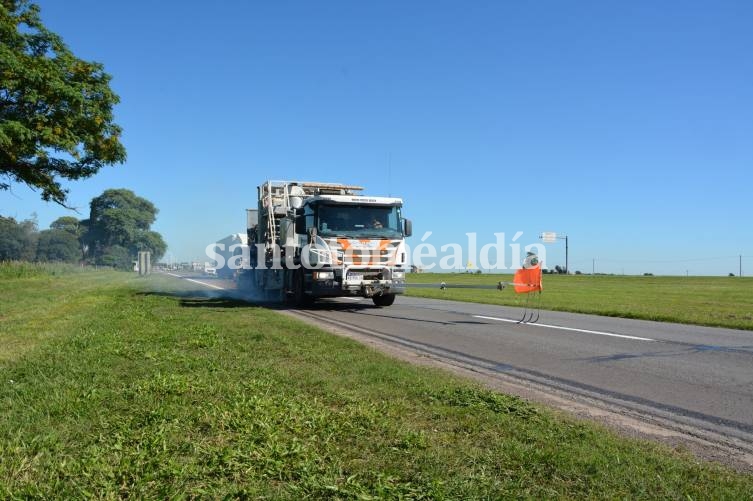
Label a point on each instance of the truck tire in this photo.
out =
(300, 298)
(383, 300)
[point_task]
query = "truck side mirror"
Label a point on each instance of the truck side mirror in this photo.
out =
(407, 227)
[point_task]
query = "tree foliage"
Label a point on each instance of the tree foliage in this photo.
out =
(69, 224)
(120, 218)
(76, 228)
(116, 256)
(56, 111)
(18, 241)
(150, 241)
(58, 245)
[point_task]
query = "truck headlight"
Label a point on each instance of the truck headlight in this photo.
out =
(324, 275)
(398, 274)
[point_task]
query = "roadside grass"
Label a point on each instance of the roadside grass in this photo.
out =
(711, 301)
(47, 303)
(141, 389)
(25, 269)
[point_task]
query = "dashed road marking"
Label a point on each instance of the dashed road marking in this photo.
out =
(197, 281)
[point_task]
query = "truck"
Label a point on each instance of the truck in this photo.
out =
(310, 240)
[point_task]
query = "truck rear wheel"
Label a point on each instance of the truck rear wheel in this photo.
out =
(383, 300)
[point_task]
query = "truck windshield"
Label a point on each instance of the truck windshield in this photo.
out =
(359, 221)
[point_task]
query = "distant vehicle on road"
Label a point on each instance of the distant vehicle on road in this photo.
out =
(232, 249)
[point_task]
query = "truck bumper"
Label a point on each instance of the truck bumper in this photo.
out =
(366, 288)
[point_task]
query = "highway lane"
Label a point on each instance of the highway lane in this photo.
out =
(698, 377)
(702, 376)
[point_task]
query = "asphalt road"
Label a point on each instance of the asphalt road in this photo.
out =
(699, 377)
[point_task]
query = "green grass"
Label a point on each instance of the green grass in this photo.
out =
(713, 301)
(116, 387)
(24, 269)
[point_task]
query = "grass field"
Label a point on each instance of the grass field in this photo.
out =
(714, 301)
(21, 269)
(113, 386)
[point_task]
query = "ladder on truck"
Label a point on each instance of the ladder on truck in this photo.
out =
(275, 201)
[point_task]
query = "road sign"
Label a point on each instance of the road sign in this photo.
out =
(549, 237)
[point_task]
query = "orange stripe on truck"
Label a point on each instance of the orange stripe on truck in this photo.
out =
(365, 252)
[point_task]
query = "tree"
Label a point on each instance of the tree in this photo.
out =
(67, 223)
(18, 241)
(151, 241)
(117, 257)
(58, 245)
(56, 118)
(76, 228)
(120, 218)
(117, 215)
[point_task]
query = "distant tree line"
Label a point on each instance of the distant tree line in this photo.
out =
(117, 229)
(559, 270)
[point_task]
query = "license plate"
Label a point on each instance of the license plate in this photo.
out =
(356, 277)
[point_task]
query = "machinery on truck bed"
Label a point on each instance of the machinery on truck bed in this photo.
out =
(308, 240)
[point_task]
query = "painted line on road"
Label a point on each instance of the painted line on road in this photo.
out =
(196, 281)
(586, 331)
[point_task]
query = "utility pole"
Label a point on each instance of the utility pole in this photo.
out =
(741, 265)
(593, 266)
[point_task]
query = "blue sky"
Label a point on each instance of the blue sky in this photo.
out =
(627, 125)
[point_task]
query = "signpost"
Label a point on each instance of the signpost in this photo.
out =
(549, 237)
(145, 263)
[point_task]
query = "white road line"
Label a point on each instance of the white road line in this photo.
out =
(196, 281)
(352, 298)
(600, 333)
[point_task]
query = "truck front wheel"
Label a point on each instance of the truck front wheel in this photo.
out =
(383, 300)
(300, 298)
